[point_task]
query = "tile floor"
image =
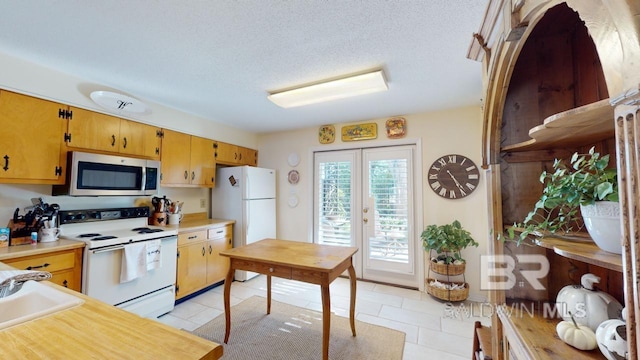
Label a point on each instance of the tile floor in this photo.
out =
(434, 329)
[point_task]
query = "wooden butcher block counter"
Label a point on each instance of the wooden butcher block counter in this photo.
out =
(95, 330)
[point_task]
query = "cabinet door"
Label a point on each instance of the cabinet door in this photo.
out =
(31, 139)
(203, 164)
(227, 153)
(92, 130)
(248, 156)
(139, 139)
(176, 150)
(191, 269)
(67, 278)
(218, 266)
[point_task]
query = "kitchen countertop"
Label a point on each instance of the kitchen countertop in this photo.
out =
(12, 252)
(188, 224)
(95, 330)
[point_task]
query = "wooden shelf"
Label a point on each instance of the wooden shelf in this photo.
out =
(578, 246)
(585, 251)
(582, 125)
(482, 342)
(535, 337)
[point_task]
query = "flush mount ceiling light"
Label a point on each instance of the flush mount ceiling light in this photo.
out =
(118, 102)
(331, 90)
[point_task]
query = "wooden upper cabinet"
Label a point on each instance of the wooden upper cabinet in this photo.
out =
(31, 140)
(203, 162)
(226, 153)
(229, 154)
(139, 139)
(249, 156)
(176, 158)
(92, 130)
(187, 160)
(96, 131)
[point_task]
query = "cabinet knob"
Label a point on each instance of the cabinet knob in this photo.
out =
(65, 283)
(203, 251)
(270, 269)
(113, 140)
(124, 140)
(186, 174)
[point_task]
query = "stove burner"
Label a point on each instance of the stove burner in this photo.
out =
(89, 235)
(146, 230)
(107, 237)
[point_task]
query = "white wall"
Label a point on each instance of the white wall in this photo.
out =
(456, 131)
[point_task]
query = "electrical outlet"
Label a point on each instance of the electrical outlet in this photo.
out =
(202, 203)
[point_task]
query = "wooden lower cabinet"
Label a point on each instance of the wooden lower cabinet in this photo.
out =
(65, 266)
(217, 266)
(199, 263)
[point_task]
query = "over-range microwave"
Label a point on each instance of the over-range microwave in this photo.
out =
(91, 174)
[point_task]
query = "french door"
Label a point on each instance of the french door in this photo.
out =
(364, 198)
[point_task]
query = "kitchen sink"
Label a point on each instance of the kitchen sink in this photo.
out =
(32, 301)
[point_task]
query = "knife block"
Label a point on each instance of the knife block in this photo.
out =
(20, 232)
(159, 218)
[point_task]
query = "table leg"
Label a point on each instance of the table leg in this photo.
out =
(352, 309)
(326, 320)
(268, 294)
(227, 302)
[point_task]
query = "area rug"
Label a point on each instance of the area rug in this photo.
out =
(294, 333)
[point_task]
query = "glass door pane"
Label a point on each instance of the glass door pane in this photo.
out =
(388, 214)
(334, 180)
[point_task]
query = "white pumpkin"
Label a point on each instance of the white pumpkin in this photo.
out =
(589, 307)
(579, 336)
(612, 339)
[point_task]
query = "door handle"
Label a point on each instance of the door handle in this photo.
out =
(125, 142)
(186, 174)
(113, 140)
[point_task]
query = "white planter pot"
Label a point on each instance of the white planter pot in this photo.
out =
(602, 220)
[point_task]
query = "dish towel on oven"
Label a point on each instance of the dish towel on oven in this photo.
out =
(134, 261)
(154, 258)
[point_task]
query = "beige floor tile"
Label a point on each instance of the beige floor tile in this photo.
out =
(429, 333)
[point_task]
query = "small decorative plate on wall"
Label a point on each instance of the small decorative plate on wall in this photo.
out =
(396, 127)
(327, 134)
(293, 159)
(360, 132)
(293, 177)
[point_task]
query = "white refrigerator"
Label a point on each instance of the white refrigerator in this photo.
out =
(247, 195)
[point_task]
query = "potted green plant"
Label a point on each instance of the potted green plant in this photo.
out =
(571, 189)
(447, 240)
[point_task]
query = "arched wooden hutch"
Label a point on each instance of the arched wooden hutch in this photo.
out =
(559, 77)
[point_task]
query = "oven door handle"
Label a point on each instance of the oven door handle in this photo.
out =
(97, 251)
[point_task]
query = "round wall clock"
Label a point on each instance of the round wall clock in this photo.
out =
(453, 176)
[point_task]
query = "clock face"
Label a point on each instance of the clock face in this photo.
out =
(453, 176)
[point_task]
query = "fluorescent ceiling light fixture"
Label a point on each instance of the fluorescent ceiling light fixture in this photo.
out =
(331, 90)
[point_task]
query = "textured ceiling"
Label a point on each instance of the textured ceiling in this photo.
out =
(218, 59)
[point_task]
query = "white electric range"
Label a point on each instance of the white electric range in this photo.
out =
(108, 233)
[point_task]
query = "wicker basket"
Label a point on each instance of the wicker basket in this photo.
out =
(445, 294)
(447, 269)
